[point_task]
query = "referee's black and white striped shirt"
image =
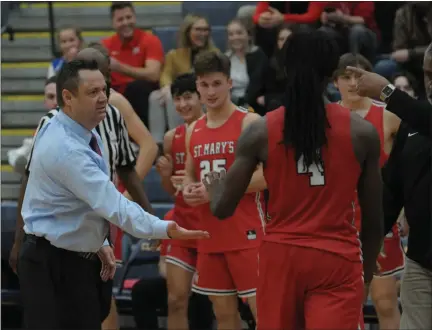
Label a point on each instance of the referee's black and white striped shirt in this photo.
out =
(114, 135)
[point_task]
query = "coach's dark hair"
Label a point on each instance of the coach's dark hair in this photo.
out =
(212, 61)
(119, 5)
(68, 77)
(184, 83)
(310, 59)
(51, 80)
(354, 60)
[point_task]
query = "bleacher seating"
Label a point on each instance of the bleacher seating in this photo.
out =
(25, 60)
(219, 13)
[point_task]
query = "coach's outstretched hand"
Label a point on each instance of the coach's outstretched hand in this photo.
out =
(176, 232)
(368, 84)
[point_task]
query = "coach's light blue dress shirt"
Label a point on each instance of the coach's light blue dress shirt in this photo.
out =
(69, 193)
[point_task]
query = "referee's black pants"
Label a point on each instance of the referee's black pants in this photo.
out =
(61, 289)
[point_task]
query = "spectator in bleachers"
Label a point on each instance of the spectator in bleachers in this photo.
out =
(406, 83)
(70, 41)
(269, 15)
(353, 25)
(248, 65)
(385, 12)
(136, 58)
(412, 33)
(194, 36)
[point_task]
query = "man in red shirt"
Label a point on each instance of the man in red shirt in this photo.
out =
(180, 257)
(136, 58)
(227, 265)
(315, 156)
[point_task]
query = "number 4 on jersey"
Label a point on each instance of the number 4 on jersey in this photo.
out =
(216, 165)
(315, 173)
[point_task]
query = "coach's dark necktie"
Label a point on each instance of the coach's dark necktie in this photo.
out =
(112, 229)
(94, 145)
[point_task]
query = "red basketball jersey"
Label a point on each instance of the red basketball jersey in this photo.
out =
(183, 214)
(375, 116)
(313, 207)
(213, 149)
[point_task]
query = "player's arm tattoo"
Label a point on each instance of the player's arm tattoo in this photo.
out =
(250, 152)
(370, 190)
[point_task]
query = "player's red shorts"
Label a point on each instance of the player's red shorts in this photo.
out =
(227, 273)
(305, 288)
(392, 256)
(180, 256)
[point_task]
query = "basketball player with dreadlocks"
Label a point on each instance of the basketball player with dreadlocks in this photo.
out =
(315, 155)
(391, 259)
(227, 264)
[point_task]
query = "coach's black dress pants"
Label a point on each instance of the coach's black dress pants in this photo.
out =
(61, 289)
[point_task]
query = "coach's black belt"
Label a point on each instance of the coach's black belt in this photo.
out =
(42, 240)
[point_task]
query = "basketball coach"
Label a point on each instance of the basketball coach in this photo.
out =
(66, 260)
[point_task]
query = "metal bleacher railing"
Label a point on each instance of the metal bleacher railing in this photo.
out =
(6, 9)
(52, 29)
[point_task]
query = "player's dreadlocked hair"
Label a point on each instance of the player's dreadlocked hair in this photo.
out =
(309, 59)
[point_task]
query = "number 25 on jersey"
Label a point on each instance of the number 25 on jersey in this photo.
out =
(207, 166)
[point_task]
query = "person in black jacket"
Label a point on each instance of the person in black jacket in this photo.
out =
(408, 184)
